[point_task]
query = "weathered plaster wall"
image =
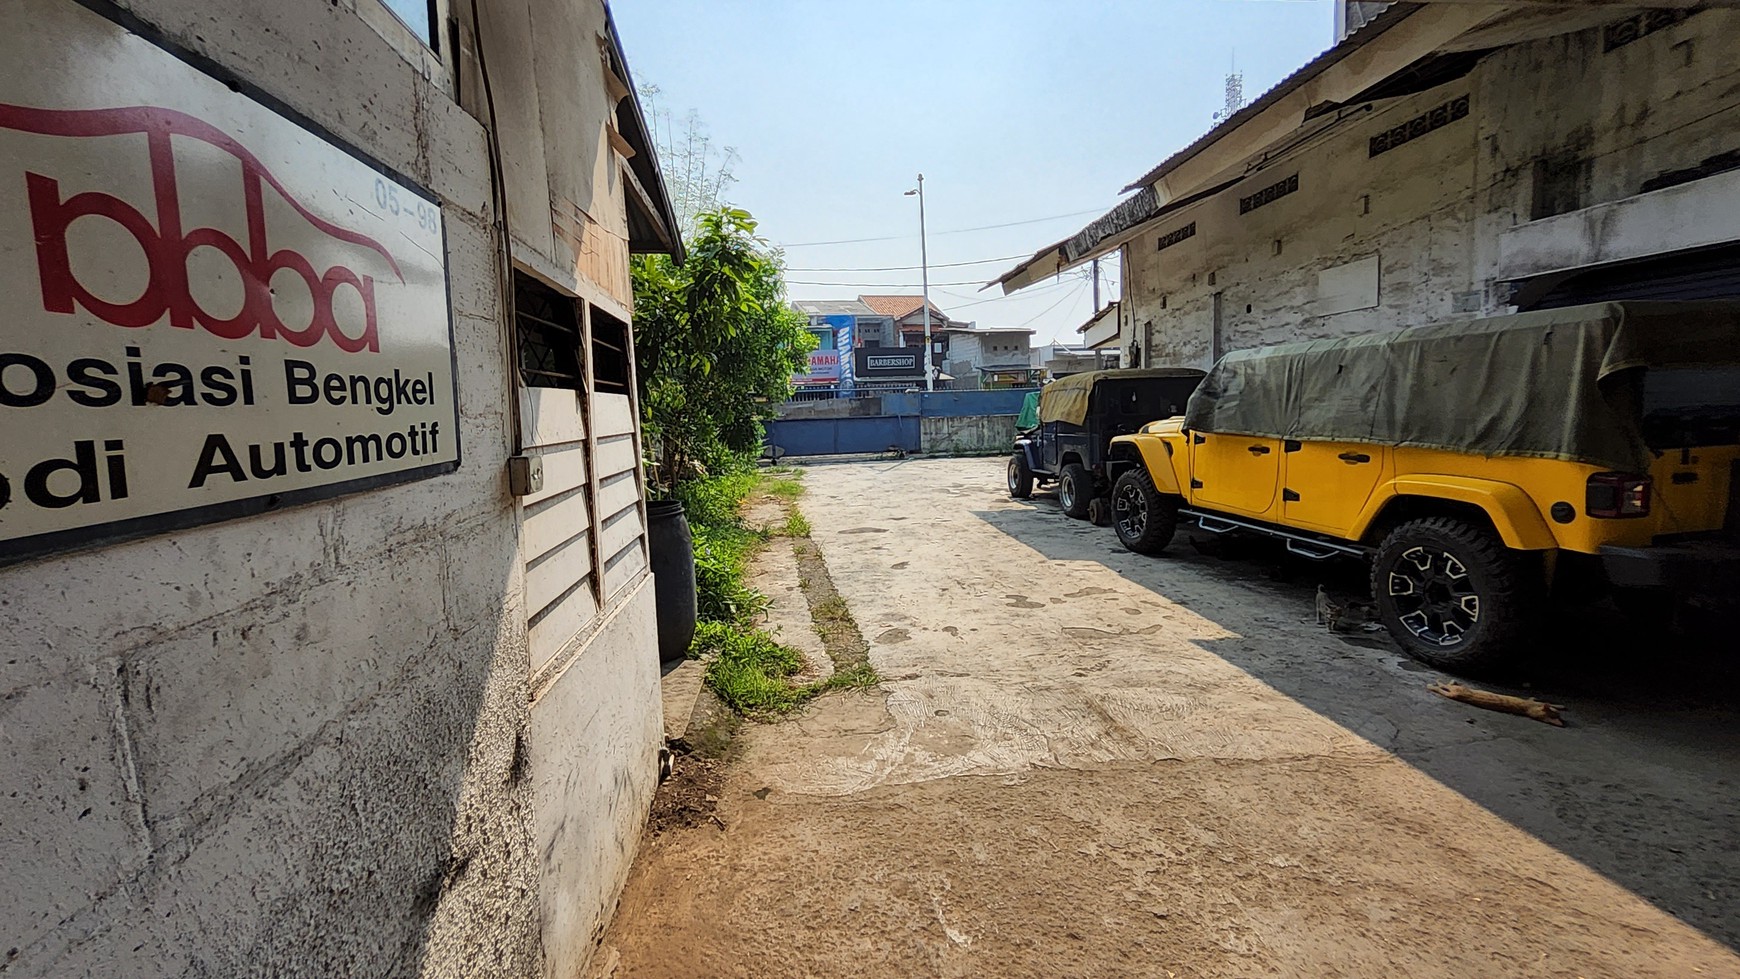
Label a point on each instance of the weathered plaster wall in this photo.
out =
(305, 744)
(969, 433)
(1433, 209)
(593, 758)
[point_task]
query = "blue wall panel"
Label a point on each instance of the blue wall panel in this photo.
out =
(842, 436)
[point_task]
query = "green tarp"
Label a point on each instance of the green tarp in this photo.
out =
(1066, 399)
(1029, 417)
(1555, 384)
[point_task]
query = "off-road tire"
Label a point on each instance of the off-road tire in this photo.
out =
(1507, 597)
(1075, 490)
(1143, 517)
(1020, 477)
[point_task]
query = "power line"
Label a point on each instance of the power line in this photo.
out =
(1073, 295)
(1026, 294)
(912, 268)
(956, 231)
(882, 285)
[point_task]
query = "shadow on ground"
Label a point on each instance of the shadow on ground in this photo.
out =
(1640, 786)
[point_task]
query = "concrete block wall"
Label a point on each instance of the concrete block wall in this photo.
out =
(947, 434)
(306, 743)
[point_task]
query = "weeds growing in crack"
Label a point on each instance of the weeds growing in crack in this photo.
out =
(748, 669)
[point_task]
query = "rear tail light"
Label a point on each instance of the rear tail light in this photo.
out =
(1618, 495)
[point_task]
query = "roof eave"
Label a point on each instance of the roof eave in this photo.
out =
(650, 190)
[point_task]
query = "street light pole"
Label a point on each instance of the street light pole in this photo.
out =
(924, 279)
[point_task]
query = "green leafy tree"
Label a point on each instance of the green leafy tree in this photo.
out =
(716, 345)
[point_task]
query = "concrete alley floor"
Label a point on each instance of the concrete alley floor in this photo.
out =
(1085, 762)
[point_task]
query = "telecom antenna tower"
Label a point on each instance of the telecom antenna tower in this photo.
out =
(1235, 93)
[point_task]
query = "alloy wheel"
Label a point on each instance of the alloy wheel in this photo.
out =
(1434, 596)
(1129, 512)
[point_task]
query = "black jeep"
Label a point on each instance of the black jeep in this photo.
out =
(1077, 418)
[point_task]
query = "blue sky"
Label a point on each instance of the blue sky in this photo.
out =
(1014, 111)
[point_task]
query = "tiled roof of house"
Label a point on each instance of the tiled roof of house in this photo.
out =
(900, 307)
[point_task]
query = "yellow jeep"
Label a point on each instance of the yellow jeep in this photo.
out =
(1472, 463)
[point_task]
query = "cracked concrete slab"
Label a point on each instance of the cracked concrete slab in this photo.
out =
(1178, 771)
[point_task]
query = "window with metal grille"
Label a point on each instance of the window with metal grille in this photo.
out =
(611, 371)
(548, 324)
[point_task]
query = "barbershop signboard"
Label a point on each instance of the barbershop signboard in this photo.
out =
(887, 362)
(213, 309)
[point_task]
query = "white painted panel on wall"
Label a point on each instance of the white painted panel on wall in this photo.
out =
(556, 572)
(618, 532)
(548, 525)
(627, 566)
(615, 414)
(551, 416)
(564, 469)
(1347, 287)
(618, 493)
(559, 624)
(614, 456)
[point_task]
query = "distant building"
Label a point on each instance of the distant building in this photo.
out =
(879, 340)
(840, 327)
(990, 357)
(907, 313)
(1062, 359)
(1102, 330)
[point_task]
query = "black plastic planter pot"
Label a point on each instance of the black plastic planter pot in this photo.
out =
(673, 568)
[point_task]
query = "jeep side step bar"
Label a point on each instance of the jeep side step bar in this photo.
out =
(1306, 547)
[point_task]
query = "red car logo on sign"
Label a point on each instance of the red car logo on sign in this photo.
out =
(166, 245)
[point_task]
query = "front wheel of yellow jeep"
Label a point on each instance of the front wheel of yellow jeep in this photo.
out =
(1143, 517)
(1452, 594)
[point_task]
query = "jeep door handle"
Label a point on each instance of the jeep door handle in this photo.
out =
(1354, 458)
(1258, 450)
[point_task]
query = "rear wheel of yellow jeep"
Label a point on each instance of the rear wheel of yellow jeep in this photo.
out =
(1145, 518)
(1452, 594)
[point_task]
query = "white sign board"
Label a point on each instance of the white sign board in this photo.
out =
(213, 309)
(1347, 287)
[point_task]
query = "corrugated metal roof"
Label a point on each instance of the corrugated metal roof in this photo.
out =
(832, 307)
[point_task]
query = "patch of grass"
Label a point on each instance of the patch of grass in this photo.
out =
(715, 500)
(834, 623)
(858, 676)
(750, 672)
(796, 524)
(722, 553)
(782, 488)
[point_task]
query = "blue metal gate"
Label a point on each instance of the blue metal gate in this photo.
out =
(842, 436)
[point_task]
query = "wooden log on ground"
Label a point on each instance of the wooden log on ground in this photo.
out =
(1504, 703)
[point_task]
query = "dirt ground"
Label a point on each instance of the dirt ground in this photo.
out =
(1084, 762)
